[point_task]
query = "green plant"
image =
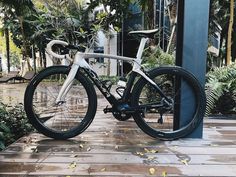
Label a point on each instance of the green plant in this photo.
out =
(4, 130)
(14, 124)
(221, 90)
(155, 56)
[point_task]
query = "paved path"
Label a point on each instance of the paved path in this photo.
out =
(112, 148)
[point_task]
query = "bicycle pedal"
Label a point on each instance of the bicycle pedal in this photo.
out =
(106, 110)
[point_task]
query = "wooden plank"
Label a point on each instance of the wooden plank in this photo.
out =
(58, 169)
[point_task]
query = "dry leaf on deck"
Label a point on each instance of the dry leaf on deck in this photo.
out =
(184, 161)
(72, 165)
(140, 153)
(164, 174)
(103, 169)
(152, 171)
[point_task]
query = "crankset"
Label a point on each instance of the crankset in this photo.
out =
(120, 112)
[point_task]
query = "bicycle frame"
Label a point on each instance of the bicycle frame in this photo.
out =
(80, 62)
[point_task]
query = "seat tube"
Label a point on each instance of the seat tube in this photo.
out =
(141, 48)
(139, 54)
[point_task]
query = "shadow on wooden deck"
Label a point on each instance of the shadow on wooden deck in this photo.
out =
(112, 148)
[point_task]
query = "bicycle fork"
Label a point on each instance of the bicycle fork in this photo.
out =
(67, 84)
(78, 62)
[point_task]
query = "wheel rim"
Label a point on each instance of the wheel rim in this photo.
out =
(65, 116)
(151, 117)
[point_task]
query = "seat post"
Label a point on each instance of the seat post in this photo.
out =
(141, 48)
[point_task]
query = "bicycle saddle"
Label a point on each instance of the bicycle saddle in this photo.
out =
(148, 33)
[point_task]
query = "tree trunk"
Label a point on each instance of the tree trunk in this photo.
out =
(234, 49)
(150, 12)
(108, 51)
(173, 31)
(24, 49)
(7, 48)
(230, 30)
(44, 58)
(40, 58)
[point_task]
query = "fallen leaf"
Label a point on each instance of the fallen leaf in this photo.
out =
(140, 153)
(73, 156)
(164, 174)
(152, 171)
(154, 151)
(81, 146)
(103, 169)
(89, 149)
(146, 150)
(116, 147)
(151, 158)
(150, 151)
(184, 161)
(72, 165)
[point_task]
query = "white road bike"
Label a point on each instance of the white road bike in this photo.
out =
(61, 102)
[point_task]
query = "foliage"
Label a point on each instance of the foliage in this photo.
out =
(15, 53)
(115, 11)
(220, 14)
(155, 56)
(147, 7)
(112, 79)
(60, 21)
(20, 6)
(4, 131)
(13, 123)
(221, 90)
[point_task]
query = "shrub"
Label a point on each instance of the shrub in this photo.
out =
(221, 90)
(4, 131)
(13, 123)
(155, 56)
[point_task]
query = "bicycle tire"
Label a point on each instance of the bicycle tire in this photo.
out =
(162, 76)
(60, 121)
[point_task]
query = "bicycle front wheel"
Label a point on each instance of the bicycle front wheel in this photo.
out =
(156, 117)
(65, 119)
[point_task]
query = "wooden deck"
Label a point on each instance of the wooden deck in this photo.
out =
(112, 148)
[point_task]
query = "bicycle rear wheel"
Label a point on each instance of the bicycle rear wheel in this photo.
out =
(156, 117)
(66, 119)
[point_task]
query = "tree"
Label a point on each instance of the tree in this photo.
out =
(18, 8)
(222, 12)
(5, 30)
(230, 30)
(65, 20)
(147, 7)
(115, 11)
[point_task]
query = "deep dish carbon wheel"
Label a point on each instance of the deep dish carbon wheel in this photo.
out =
(156, 117)
(66, 119)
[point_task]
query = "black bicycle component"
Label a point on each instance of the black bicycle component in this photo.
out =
(127, 92)
(108, 84)
(101, 86)
(66, 118)
(157, 119)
